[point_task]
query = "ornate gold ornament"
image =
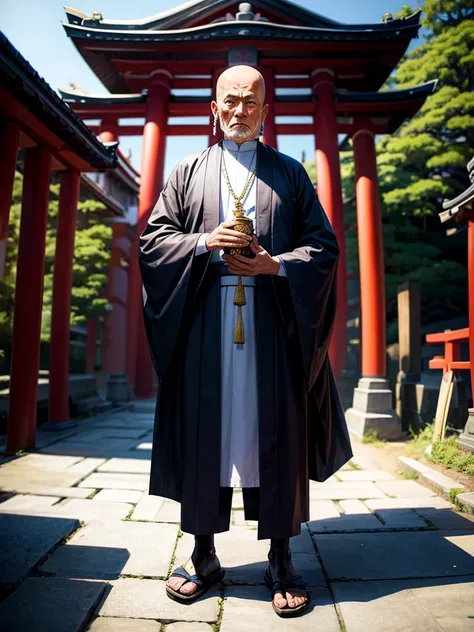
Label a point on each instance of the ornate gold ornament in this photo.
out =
(245, 226)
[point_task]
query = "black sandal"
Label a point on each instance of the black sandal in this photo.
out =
(295, 585)
(202, 582)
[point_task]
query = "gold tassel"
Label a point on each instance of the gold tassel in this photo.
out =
(239, 336)
(239, 300)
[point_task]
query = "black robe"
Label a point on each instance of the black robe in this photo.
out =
(302, 429)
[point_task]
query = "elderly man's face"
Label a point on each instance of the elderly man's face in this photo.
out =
(240, 103)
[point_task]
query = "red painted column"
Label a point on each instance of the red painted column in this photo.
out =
(109, 130)
(28, 301)
(219, 134)
(269, 136)
(62, 289)
(151, 184)
(9, 133)
(91, 345)
(470, 269)
(330, 195)
(371, 261)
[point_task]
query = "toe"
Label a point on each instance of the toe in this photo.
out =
(188, 588)
(175, 583)
(291, 600)
(279, 600)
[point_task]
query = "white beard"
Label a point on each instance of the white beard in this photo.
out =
(235, 133)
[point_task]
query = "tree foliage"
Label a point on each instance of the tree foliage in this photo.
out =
(424, 163)
(92, 249)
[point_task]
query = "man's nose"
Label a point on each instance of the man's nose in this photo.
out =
(240, 110)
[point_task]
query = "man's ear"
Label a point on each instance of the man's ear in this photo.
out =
(265, 112)
(214, 108)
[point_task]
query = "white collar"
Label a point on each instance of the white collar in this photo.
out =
(230, 145)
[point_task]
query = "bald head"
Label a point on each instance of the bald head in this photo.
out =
(240, 103)
(241, 76)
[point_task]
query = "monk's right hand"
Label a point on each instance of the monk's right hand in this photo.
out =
(225, 237)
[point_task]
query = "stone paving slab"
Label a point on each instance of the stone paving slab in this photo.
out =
(356, 517)
(91, 435)
(26, 540)
(147, 508)
(126, 466)
(17, 476)
(448, 519)
(409, 503)
(42, 490)
(145, 445)
(112, 448)
(245, 558)
(382, 607)
(119, 495)
(135, 548)
(405, 489)
(343, 491)
(91, 510)
(86, 466)
(138, 482)
(451, 602)
(114, 624)
(28, 504)
(170, 511)
(181, 626)
(371, 556)
(249, 608)
(147, 599)
(373, 476)
(47, 604)
(44, 462)
(401, 519)
(362, 463)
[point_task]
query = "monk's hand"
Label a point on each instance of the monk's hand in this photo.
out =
(225, 237)
(263, 263)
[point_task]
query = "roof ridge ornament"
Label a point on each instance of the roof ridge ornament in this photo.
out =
(387, 17)
(244, 14)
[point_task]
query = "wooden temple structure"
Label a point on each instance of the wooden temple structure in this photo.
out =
(166, 66)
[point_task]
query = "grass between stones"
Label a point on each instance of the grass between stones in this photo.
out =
(420, 440)
(372, 437)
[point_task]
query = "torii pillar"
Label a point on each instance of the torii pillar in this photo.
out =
(151, 184)
(22, 404)
(330, 195)
(372, 405)
(61, 308)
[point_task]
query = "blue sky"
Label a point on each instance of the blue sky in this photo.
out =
(34, 28)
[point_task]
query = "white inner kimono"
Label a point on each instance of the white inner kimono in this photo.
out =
(239, 412)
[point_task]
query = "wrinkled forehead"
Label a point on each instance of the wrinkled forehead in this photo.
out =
(241, 86)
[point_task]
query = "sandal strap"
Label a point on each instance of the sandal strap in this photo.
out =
(293, 583)
(197, 579)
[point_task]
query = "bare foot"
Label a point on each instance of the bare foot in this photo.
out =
(282, 568)
(205, 566)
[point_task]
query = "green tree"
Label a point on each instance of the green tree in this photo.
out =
(92, 249)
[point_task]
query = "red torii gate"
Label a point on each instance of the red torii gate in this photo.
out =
(332, 73)
(33, 118)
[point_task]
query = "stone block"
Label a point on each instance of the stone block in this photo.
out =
(382, 607)
(29, 505)
(170, 511)
(126, 466)
(118, 495)
(356, 517)
(86, 466)
(44, 604)
(362, 463)
(145, 445)
(45, 462)
(401, 519)
(450, 601)
(12, 477)
(146, 599)
(377, 556)
(405, 489)
(91, 510)
(447, 519)
(136, 548)
(369, 476)
(466, 500)
(114, 624)
(343, 491)
(249, 608)
(138, 482)
(26, 540)
(147, 508)
(42, 490)
(181, 626)
(408, 503)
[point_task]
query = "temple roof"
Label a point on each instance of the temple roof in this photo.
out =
(458, 206)
(20, 80)
(190, 13)
(200, 36)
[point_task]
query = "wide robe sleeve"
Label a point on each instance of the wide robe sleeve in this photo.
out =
(169, 269)
(311, 273)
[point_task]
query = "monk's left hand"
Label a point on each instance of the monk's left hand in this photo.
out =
(263, 263)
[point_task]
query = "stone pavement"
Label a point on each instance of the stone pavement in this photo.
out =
(84, 547)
